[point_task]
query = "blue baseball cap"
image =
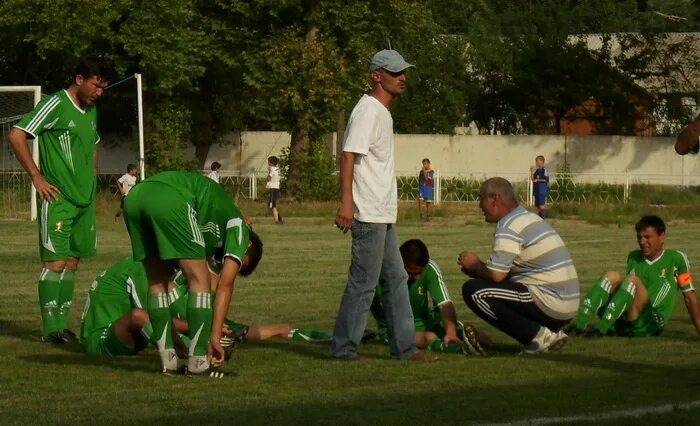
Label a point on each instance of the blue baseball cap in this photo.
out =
(390, 60)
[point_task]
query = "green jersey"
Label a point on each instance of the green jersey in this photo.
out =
(662, 278)
(113, 294)
(215, 219)
(425, 294)
(67, 139)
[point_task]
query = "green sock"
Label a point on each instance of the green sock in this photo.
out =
(65, 298)
(159, 315)
(438, 346)
(620, 302)
(48, 300)
(309, 335)
(199, 318)
(599, 294)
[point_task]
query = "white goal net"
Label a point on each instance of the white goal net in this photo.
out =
(16, 190)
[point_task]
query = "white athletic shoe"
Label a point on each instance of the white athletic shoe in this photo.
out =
(546, 341)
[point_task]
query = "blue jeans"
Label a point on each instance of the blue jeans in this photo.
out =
(375, 256)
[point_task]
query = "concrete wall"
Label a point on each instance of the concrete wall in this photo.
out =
(590, 158)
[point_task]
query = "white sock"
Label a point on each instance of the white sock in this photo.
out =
(197, 364)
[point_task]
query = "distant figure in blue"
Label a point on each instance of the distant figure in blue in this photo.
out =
(425, 189)
(540, 186)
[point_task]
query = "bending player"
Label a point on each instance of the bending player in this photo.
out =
(437, 328)
(641, 302)
(177, 219)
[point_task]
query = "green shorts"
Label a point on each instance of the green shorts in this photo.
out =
(432, 323)
(104, 342)
(162, 223)
(648, 324)
(66, 230)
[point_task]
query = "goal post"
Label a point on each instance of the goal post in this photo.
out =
(15, 185)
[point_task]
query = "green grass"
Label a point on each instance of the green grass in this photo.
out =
(300, 281)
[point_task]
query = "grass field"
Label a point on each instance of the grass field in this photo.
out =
(300, 281)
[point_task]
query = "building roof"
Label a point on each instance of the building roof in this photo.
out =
(662, 64)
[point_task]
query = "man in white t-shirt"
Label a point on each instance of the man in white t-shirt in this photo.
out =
(125, 183)
(214, 174)
(368, 208)
(273, 184)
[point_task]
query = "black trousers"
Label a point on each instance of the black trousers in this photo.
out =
(509, 307)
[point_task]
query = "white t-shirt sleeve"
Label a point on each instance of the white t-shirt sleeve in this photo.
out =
(123, 179)
(360, 130)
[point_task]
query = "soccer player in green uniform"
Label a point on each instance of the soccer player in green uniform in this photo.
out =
(115, 319)
(641, 303)
(238, 332)
(177, 220)
(437, 328)
(66, 124)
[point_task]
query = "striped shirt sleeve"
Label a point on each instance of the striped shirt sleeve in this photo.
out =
(43, 117)
(435, 284)
(507, 245)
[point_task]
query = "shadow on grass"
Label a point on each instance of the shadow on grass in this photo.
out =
(19, 331)
(142, 363)
(319, 351)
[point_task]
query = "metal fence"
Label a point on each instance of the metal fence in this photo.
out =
(563, 188)
(239, 187)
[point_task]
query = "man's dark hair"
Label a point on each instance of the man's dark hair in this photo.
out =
(273, 160)
(414, 252)
(215, 165)
(91, 67)
(651, 222)
(254, 253)
(131, 167)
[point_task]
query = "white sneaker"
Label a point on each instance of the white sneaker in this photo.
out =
(546, 341)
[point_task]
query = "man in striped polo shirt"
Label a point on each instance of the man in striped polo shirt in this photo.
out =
(528, 288)
(66, 123)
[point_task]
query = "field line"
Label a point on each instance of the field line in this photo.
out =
(609, 415)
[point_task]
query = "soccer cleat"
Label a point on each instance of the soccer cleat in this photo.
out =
(54, 338)
(572, 331)
(594, 334)
(368, 336)
(68, 336)
(180, 371)
(238, 336)
(470, 340)
(228, 344)
(210, 372)
(548, 342)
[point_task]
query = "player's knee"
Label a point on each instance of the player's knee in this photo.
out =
(613, 276)
(55, 266)
(72, 263)
(468, 291)
(634, 280)
(139, 317)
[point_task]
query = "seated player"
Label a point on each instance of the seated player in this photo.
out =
(640, 302)
(234, 332)
(437, 328)
(115, 320)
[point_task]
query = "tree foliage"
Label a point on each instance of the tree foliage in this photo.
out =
(214, 66)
